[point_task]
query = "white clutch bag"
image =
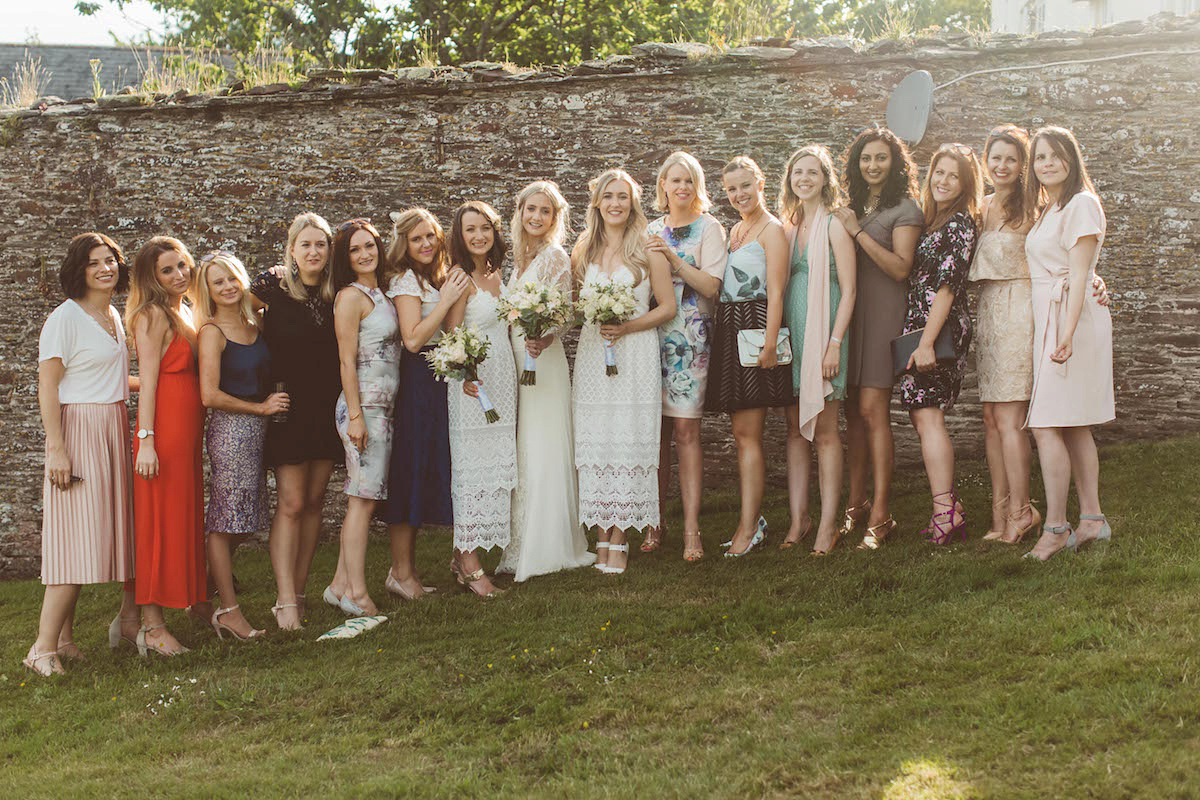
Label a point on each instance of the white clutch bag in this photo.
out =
(750, 344)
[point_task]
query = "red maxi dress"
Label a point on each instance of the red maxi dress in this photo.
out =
(168, 511)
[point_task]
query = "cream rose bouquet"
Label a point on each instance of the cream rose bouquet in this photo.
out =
(457, 357)
(535, 309)
(602, 302)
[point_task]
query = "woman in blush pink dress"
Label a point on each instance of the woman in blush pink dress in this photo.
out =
(1072, 342)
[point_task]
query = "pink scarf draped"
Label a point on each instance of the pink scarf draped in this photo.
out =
(814, 388)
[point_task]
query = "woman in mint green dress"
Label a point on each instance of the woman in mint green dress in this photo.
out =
(817, 307)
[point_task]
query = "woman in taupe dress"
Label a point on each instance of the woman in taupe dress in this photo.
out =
(885, 222)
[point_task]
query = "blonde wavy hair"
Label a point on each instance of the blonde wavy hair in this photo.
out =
(633, 243)
(204, 307)
(791, 210)
(701, 202)
(291, 276)
(144, 288)
(557, 232)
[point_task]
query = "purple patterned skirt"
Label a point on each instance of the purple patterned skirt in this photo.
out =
(237, 491)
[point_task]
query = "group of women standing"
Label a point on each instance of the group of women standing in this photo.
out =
(323, 359)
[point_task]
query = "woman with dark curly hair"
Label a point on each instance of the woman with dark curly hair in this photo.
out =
(885, 221)
(87, 497)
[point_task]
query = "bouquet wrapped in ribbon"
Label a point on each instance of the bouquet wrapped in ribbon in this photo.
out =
(605, 301)
(536, 309)
(457, 357)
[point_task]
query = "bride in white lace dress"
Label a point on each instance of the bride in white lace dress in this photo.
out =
(546, 536)
(483, 455)
(618, 417)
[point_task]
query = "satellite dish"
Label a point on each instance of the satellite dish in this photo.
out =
(909, 106)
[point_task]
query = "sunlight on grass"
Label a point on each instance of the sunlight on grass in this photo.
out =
(927, 780)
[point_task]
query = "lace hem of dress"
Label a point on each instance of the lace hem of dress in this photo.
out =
(616, 496)
(481, 518)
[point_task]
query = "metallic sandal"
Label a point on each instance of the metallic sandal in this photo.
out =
(878, 534)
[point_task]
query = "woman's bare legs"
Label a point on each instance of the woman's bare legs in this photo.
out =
(403, 539)
(799, 458)
(295, 530)
(874, 407)
(1056, 478)
(747, 433)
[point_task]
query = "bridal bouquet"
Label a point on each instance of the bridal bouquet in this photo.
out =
(457, 357)
(536, 309)
(605, 301)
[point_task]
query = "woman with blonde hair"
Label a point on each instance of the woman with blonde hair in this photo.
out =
(423, 289)
(751, 307)
(235, 368)
(693, 242)
(87, 501)
(301, 445)
(168, 493)
(545, 536)
(1072, 340)
(937, 307)
(819, 303)
(618, 417)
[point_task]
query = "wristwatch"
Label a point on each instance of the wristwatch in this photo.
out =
(144, 432)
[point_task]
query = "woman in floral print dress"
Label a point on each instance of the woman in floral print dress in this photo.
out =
(693, 242)
(936, 299)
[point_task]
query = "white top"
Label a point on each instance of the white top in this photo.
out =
(408, 285)
(97, 365)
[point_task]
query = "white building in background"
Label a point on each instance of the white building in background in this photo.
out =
(1035, 16)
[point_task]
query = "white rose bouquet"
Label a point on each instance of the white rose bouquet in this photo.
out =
(536, 309)
(457, 357)
(605, 301)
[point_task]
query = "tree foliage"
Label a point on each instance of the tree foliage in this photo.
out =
(531, 31)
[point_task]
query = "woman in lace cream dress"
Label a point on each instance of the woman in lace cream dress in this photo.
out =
(618, 417)
(483, 455)
(546, 536)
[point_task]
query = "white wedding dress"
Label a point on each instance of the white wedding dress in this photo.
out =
(483, 463)
(617, 421)
(546, 535)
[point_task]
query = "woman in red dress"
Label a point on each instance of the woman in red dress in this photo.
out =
(168, 491)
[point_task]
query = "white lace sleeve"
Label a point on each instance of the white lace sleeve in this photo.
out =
(553, 266)
(405, 284)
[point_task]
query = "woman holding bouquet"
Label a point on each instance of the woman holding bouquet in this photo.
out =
(483, 454)
(366, 327)
(423, 290)
(693, 242)
(752, 299)
(617, 393)
(546, 536)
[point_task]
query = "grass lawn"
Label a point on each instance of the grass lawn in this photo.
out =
(916, 671)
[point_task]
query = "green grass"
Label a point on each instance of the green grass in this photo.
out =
(916, 671)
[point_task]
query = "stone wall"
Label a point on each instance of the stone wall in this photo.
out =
(231, 170)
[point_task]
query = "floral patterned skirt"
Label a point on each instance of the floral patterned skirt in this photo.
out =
(684, 344)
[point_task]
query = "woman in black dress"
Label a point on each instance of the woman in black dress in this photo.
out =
(303, 445)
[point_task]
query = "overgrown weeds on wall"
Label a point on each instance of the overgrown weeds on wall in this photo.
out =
(29, 82)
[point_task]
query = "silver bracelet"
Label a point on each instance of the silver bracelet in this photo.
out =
(835, 340)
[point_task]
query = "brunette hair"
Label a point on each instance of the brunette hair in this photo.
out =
(743, 162)
(901, 180)
(460, 256)
(1064, 144)
(291, 277)
(343, 273)
(701, 201)
(556, 234)
(788, 204)
(403, 223)
(203, 305)
(144, 288)
(72, 275)
(1015, 210)
(633, 240)
(969, 178)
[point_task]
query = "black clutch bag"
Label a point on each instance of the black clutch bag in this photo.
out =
(903, 347)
